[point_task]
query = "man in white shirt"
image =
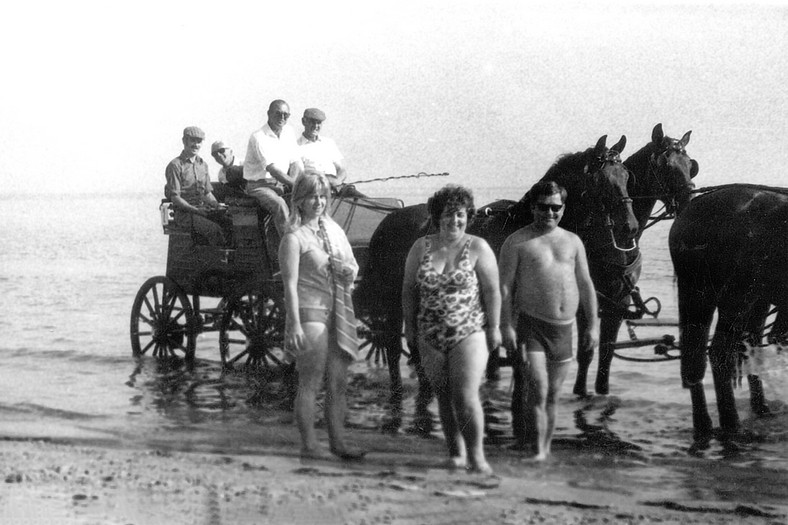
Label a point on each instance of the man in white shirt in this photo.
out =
(272, 163)
(320, 153)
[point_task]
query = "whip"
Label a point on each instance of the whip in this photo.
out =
(416, 176)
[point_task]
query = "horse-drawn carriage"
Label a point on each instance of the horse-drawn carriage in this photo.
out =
(242, 282)
(610, 205)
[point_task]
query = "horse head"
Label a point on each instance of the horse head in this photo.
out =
(671, 170)
(606, 195)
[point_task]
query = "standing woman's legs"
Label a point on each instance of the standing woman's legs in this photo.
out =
(436, 369)
(467, 364)
(311, 365)
(337, 363)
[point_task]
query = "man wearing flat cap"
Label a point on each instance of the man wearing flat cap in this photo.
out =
(320, 153)
(231, 178)
(189, 189)
(272, 163)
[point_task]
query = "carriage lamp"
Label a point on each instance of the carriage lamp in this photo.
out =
(167, 217)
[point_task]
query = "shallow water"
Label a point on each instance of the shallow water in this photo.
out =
(70, 269)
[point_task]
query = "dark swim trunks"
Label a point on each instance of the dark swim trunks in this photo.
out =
(554, 340)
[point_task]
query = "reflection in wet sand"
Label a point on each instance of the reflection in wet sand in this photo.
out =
(607, 442)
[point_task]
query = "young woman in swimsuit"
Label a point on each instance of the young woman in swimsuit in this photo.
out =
(318, 270)
(451, 304)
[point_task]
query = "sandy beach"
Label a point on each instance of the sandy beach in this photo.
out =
(48, 482)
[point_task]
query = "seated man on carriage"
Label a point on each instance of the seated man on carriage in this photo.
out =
(320, 154)
(231, 176)
(189, 189)
(272, 163)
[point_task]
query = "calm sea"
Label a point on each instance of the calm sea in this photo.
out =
(70, 267)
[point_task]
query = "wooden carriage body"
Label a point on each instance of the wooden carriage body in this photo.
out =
(214, 271)
(167, 314)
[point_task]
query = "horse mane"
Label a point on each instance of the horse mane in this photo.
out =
(639, 160)
(569, 169)
(567, 164)
(638, 163)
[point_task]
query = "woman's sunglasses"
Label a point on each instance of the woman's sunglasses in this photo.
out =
(555, 208)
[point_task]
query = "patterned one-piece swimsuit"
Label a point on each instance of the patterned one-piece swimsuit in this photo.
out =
(450, 307)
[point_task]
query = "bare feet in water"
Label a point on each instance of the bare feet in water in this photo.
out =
(481, 468)
(345, 454)
(461, 463)
(349, 454)
(456, 463)
(315, 453)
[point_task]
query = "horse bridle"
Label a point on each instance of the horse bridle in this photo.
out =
(613, 157)
(674, 146)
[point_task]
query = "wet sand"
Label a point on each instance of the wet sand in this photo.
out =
(199, 461)
(71, 483)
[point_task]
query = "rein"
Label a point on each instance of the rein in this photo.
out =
(396, 177)
(709, 189)
(609, 224)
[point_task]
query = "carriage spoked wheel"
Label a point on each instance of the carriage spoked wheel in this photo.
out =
(163, 323)
(373, 339)
(252, 329)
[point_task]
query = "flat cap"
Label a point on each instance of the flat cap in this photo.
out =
(193, 131)
(218, 145)
(314, 113)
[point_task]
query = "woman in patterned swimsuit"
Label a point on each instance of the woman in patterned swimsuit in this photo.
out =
(451, 304)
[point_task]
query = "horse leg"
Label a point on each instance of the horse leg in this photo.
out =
(393, 343)
(695, 317)
(701, 421)
(693, 369)
(608, 334)
(584, 358)
(755, 328)
(422, 420)
(722, 357)
(757, 398)
(493, 372)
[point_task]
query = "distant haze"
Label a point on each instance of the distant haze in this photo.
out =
(95, 94)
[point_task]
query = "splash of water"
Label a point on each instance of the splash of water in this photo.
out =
(770, 363)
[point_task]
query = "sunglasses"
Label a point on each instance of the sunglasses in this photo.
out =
(282, 114)
(555, 208)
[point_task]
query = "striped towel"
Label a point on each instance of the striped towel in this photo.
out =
(344, 317)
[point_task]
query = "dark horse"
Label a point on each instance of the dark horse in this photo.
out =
(596, 183)
(661, 170)
(730, 254)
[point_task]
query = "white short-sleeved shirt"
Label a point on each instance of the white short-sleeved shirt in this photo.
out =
(319, 155)
(266, 148)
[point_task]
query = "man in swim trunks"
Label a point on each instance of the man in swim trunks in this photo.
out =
(544, 279)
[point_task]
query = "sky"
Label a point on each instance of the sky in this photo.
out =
(95, 94)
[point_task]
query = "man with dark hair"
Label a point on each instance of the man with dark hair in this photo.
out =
(189, 188)
(544, 278)
(272, 163)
